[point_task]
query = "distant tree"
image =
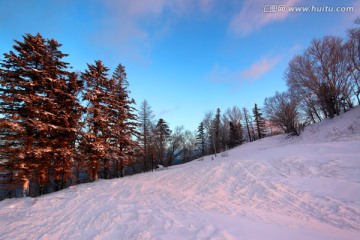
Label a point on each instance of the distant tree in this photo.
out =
(309, 106)
(207, 120)
(215, 132)
(146, 122)
(281, 110)
(175, 144)
(163, 133)
(235, 134)
(259, 122)
(200, 138)
(152, 148)
(234, 114)
(224, 132)
(189, 146)
(247, 123)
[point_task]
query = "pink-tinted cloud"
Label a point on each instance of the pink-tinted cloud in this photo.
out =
(251, 16)
(266, 63)
(260, 68)
(221, 74)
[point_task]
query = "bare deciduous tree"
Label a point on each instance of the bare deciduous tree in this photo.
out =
(322, 71)
(353, 45)
(281, 110)
(233, 124)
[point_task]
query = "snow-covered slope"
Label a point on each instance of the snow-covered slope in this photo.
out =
(276, 188)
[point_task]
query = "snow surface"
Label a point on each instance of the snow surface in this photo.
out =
(306, 187)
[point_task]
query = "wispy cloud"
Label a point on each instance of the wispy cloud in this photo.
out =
(254, 72)
(252, 18)
(130, 24)
(121, 26)
(260, 67)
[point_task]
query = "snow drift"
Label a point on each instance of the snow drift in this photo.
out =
(304, 187)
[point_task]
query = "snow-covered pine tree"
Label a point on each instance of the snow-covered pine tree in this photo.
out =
(110, 122)
(259, 122)
(70, 116)
(126, 120)
(36, 123)
(96, 133)
(62, 87)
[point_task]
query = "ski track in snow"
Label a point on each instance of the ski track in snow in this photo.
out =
(274, 188)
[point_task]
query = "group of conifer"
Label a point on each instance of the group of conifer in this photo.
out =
(55, 124)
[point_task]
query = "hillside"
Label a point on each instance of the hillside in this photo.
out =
(276, 188)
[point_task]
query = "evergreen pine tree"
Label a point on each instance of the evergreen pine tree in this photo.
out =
(259, 122)
(62, 88)
(145, 126)
(234, 138)
(200, 138)
(162, 135)
(97, 130)
(215, 132)
(110, 121)
(39, 113)
(125, 121)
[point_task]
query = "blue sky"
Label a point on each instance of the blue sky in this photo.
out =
(185, 57)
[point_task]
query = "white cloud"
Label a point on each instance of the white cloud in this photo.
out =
(251, 17)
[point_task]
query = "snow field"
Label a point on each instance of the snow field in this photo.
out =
(275, 188)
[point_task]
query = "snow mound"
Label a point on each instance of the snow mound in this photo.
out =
(343, 127)
(303, 187)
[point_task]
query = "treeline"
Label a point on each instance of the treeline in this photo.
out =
(219, 132)
(160, 145)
